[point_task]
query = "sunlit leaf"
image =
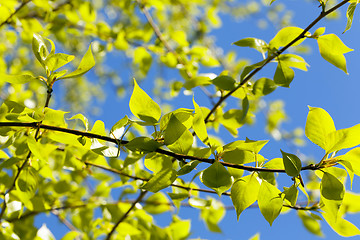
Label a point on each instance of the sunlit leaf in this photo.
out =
(216, 177)
(332, 49)
(142, 106)
(270, 201)
(244, 192)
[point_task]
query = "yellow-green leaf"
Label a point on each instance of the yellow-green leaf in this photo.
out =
(285, 36)
(270, 201)
(87, 62)
(244, 192)
(143, 107)
(332, 49)
(319, 125)
(216, 177)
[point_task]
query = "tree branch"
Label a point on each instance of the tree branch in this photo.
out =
(158, 150)
(142, 194)
(270, 58)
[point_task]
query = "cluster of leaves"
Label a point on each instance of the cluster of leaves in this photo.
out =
(49, 163)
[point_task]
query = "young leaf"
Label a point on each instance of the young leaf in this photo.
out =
(285, 36)
(244, 192)
(39, 48)
(143, 107)
(291, 194)
(310, 223)
(258, 44)
(17, 79)
(350, 15)
(87, 62)
(216, 177)
(224, 82)
(292, 164)
(331, 188)
(263, 86)
(58, 60)
(143, 144)
(283, 75)
(319, 125)
(332, 49)
(199, 124)
(344, 138)
(160, 180)
(341, 226)
(270, 201)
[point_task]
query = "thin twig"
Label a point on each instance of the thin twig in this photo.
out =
(270, 58)
(142, 194)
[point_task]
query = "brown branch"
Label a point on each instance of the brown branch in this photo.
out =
(7, 21)
(158, 150)
(270, 58)
(142, 194)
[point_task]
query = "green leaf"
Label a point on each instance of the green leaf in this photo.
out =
(157, 203)
(117, 130)
(157, 162)
(17, 79)
(332, 49)
(217, 178)
(318, 32)
(27, 184)
(199, 124)
(344, 138)
(319, 125)
(292, 164)
(244, 192)
(263, 86)
(160, 180)
(291, 194)
(285, 36)
(174, 130)
(187, 168)
(58, 60)
(197, 81)
(350, 15)
(341, 226)
(353, 157)
(270, 201)
(143, 144)
(83, 119)
(257, 44)
(310, 223)
(283, 75)
(86, 63)
(247, 145)
(224, 82)
(54, 117)
(39, 48)
(331, 188)
(143, 107)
